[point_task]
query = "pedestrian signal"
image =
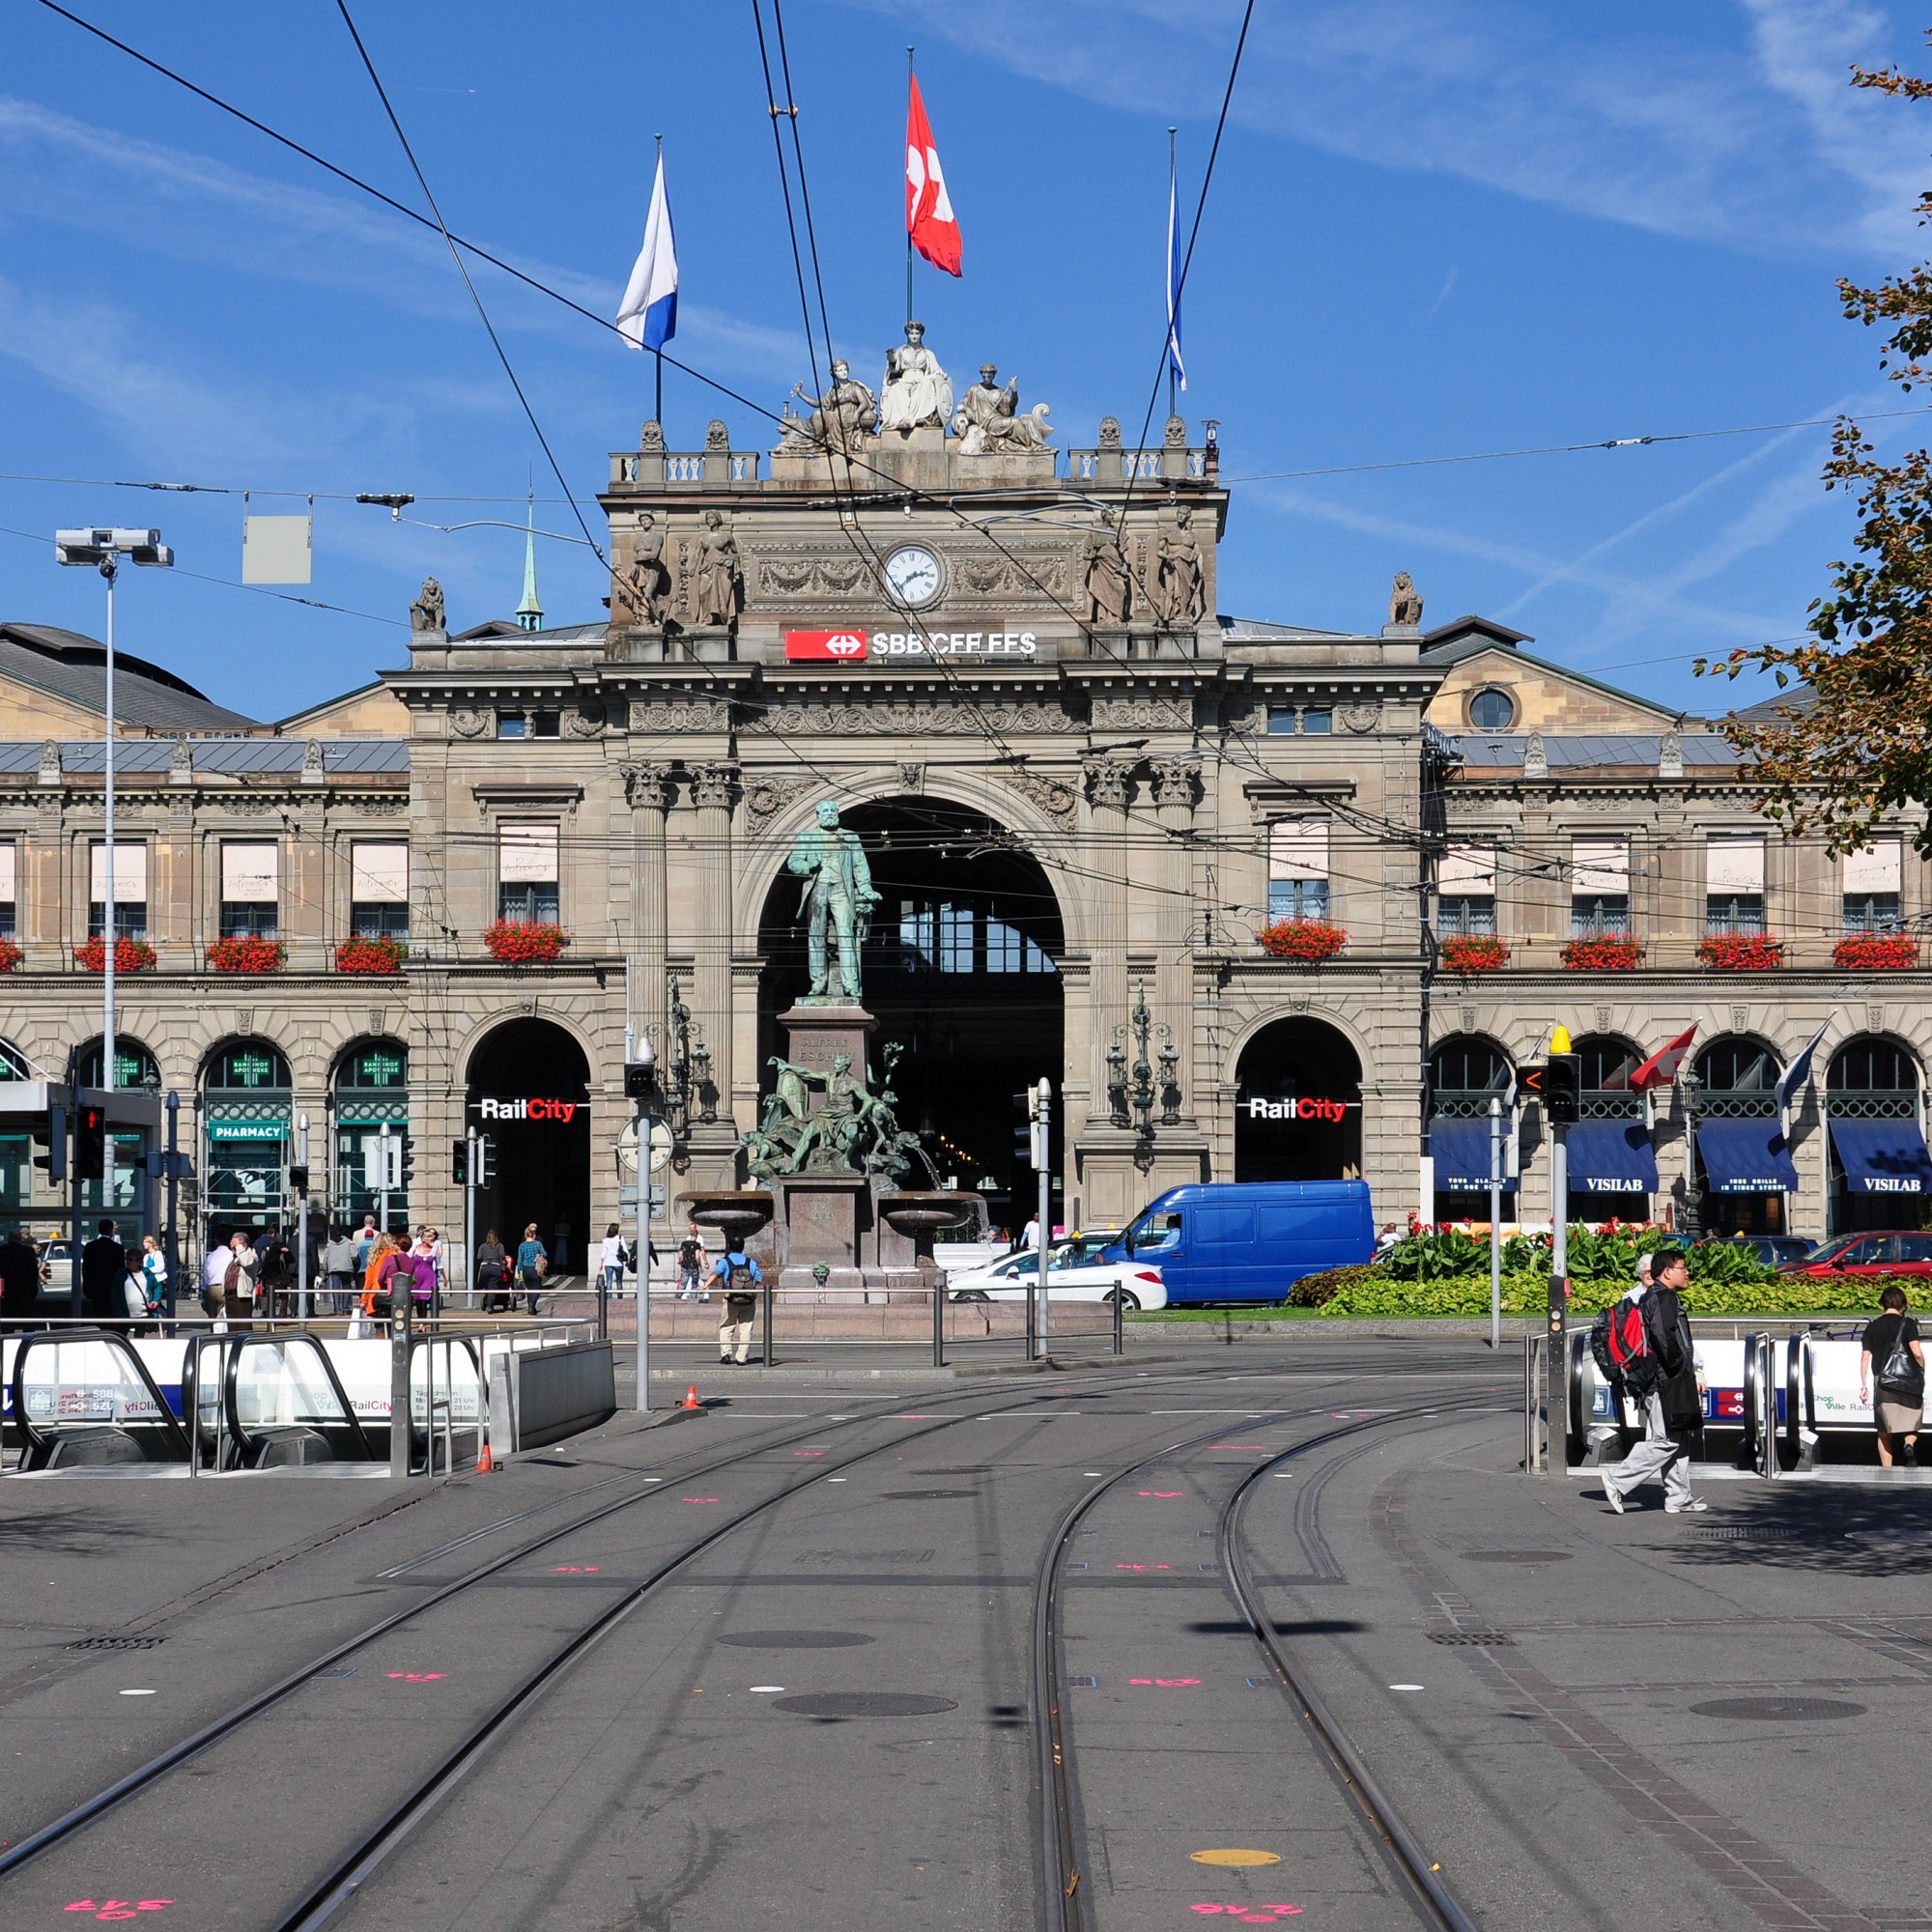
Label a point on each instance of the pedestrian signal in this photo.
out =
(90, 1141)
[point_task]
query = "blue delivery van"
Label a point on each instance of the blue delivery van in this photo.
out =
(1248, 1240)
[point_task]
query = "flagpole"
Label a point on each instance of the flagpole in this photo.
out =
(909, 83)
(1171, 398)
(657, 355)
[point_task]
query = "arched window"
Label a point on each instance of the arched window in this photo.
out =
(1737, 1080)
(372, 1092)
(1465, 1073)
(133, 1065)
(1879, 1173)
(246, 1108)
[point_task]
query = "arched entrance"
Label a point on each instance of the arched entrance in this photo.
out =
(961, 972)
(372, 1089)
(1612, 1166)
(1879, 1175)
(1298, 1105)
(530, 1092)
(1467, 1071)
(1739, 1148)
(247, 1100)
(126, 1190)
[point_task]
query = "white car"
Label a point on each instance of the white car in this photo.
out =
(1137, 1284)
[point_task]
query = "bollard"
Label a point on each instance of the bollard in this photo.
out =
(1119, 1330)
(770, 1290)
(938, 1321)
(399, 1400)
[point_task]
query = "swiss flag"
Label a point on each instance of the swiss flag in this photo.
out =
(929, 217)
(1661, 1068)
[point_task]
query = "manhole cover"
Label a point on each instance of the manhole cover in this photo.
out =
(794, 1639)
(1518, 1555)
(1779, 1710)
(1755, 1532)
(866, 1704)
(1472, 1639)
(117, 1643)
(925, 1496)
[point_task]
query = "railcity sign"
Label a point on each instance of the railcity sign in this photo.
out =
(1310, 1109)
(528, 1107)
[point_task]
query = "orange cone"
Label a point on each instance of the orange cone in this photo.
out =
(484, 1465)
(690, 1397)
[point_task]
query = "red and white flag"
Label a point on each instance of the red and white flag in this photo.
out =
(929, 217)
(1661, 1068)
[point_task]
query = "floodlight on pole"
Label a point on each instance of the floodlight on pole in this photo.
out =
(101, 550)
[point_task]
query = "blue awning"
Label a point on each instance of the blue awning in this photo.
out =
(1611, 1158)
(1883, 1156)
(1460, 1149)
(1745, 1157)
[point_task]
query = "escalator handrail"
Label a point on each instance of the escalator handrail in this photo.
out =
(37, 1439)
(1792, 1410)
(245, 1444)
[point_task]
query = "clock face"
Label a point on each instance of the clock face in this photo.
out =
(914, 574)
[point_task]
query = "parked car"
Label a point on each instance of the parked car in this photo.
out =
(1087, 1244)
(1068, 1278)
(1904, 1252)
(57, 1260)
(1772, 1250)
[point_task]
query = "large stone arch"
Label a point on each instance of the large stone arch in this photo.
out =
(1298, 1098)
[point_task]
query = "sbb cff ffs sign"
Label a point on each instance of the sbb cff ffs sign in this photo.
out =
(532, 1107)
(824, 646)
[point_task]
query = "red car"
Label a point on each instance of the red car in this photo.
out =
(1902, 1253)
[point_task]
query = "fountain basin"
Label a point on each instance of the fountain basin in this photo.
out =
(736, 1213)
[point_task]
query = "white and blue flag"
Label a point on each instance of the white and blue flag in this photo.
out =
(1176, 366)
(1798, 1072)
(648, 316)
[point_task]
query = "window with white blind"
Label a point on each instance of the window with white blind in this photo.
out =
(131, 890)
(1733, 883)
(526, 870)
(379, 890)
(1465, 893)
(252, 889)
(1873, 887)
(1599, 871)
(1298, 869)
(9, 873)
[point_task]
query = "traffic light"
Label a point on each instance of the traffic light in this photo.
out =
(297, 1179)
(640, 1079)
(54, 1138)
(406, 1164)
(90, 1141)
(459, 1162)
(486, 1159)
(1563, 1089)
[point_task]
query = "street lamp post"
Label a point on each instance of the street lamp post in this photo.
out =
(641, 1084)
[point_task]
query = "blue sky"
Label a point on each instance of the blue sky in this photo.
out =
(1438, 228)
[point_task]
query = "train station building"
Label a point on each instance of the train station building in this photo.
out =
(1263, 902)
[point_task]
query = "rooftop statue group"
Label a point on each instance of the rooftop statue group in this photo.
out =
(916, 393)
(1173, 591)
(644, 590)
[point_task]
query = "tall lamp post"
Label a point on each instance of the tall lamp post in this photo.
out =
(640, 1085)
(102, 551)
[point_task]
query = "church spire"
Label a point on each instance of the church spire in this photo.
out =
(530, 612)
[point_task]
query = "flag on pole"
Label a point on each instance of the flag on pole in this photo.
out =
(1661, 1068)
(930, 223)
(1176, 366)
(1798, 1072)
(648, 316)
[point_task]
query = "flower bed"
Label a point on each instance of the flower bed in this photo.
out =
(371, 956)
(131, 955)
(1465, 955)
(10, 956)
(516, 942)
(247, 956)
(1305, 941)
(1876, 953)
(1605, 952)
(1742, 952)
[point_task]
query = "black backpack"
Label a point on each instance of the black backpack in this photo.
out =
(741, 1280)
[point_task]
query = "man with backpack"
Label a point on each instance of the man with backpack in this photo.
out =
(1654, 1361)
(741, 1279)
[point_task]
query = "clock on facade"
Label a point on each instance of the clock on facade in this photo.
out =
(914, 574)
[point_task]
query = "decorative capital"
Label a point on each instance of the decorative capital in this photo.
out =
(1175, 781)
(714, 785)
(646, 785)
(1108, 779)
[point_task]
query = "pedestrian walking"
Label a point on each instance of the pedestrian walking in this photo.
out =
(426, 1267)
(532, 1264)
(1891, 1343)
(611, 1258)
(740, 1278)
(1651, 1341)
(214, 1266)
(276, 1273)
(104, 1274)
(338, 1261)
(154, 1276)
(241, 1277)
(1030, 1233)
(493, 1265)
(691, 1267)
(365, 1242)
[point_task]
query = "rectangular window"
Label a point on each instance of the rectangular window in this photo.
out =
(1873, 882)
(512, 725)
(1004, 948)
(916, 927)
(379, 891)
(1733, 883)
(1298, 869)
(131, 890)
(1599, 887)
(1465, 886)
(956, 939)
(8, 901)
(250, 888)
(1280, 720)
(1317, 721)
(526, 872)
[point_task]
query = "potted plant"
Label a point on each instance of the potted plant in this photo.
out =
(518, 942)
(1307, 942)
(10, 956)
(1602, 952)
(362, 954)
(1740, 952)
(131, 955)
(246, 955)
(1469, 953)
(1876, 953)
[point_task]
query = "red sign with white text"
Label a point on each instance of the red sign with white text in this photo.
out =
(825, 646)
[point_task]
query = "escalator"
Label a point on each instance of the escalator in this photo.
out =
(83, 1399)
(270, 1401)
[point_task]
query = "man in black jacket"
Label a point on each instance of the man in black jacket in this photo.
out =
(103, 1269)
(19, 1277)
(1673, 1405)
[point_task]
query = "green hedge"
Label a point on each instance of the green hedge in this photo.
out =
(1373, 1290)
(1608, 1255)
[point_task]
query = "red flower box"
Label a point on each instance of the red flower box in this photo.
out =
(516, 942)
(1465, 955)
(1876, 953)
(131, 955)
(247, 956)
(10, 956)
(1305, 941)
(1742, 952)
(1605, 952)
(371, 956)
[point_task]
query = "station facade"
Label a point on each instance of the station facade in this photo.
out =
(1084, 795)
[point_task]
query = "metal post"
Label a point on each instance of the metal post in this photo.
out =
(938, 1320)
(383, 1176)
(110, 938)
(302, 1223)
(1495, 1224)
(1043, 1160)
(399, 1397)
(171, 1233)
(766, 1298)
(645, 1248)
(1555, 1410)
(470, 1218)
(1120, 1332)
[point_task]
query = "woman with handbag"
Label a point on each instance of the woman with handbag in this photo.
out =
(532, 1264)
(1891, 1341)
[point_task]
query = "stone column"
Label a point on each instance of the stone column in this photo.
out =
(1107, 1179)
(648, 791)
(714, 791)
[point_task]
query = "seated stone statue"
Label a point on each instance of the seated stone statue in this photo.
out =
(840, 419)
(989, 420)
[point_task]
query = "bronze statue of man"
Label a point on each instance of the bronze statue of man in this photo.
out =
(837, 900)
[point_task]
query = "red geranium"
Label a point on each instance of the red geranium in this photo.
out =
(246, 955)
(1603, 952)
(10, 956)
(1876, 953)
(1465, 955)
(1305, 941)
(370, 955)
(131, 955)
(518, 942)
(1741, 951)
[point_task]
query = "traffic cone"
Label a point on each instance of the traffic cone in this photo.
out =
(690, 1398)
(485, 1466)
